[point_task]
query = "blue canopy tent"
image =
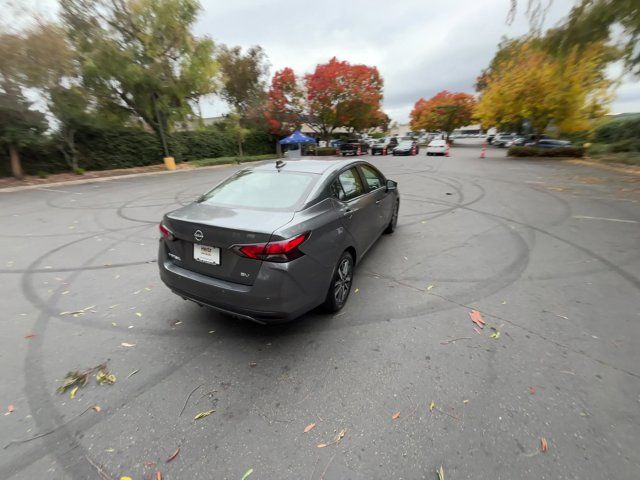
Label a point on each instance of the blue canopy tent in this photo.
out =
(297, 138)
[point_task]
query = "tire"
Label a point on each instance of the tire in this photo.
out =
(393, 223)
(341, 282)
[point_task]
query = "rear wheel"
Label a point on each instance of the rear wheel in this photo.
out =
(394, 219)
(340, 284)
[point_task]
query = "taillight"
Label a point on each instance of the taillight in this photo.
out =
(280, 251)
(165, 232)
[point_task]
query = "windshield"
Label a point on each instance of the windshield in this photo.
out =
(405, 143)
(262, 190)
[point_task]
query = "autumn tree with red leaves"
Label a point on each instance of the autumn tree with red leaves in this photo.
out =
(285, 103)
(337, 94)
(343, 95)
(445, 112)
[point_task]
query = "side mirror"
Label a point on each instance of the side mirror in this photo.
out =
(391, 185)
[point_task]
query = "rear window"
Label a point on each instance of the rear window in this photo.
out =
(262, 190)
(436, 143)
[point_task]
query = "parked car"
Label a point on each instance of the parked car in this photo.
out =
(517, 141)
(389, 143)
(406, 147)
(501, 139)
(350, 147)
(437, 147)
(262, 245)
(549, 143)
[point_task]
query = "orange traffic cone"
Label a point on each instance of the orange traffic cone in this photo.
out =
(384, 151)
(483, 153)
(413, 150)
(446, 152)
(359, 152)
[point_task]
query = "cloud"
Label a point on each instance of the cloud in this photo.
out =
(419, 47)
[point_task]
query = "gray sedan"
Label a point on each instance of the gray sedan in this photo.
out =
(279, 239)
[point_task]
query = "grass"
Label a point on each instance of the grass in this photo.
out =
(206, 162)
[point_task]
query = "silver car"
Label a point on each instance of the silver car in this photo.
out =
(274, 241)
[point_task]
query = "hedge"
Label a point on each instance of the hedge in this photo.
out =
(618, 130)
(101, 149)
(545, 152)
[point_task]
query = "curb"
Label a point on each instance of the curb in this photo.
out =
(616, 167)
(106, 179)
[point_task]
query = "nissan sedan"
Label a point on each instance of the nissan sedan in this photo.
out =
(274, 241)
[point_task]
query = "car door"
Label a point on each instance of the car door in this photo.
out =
(375, 183)
(357, 209)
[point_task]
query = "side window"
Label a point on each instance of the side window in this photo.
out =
(351, 184)
(373, 178)
(335, 189)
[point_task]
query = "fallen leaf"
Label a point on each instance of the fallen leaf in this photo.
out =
(321, 445)
(138, 314)
(395, 416)
(158, 475)
(173, 455)
(309, 427)
(97, 408)
(113, 306)
(440, 472)
(126, 478)
(203, 414)
(124, 344)
(212, 331)
(356, 290)
(432, 406)
(341, 435)
(252, 364)
(495, 335)
(476, 318)
(544, 446)
(465, 401)
(133, 373)
(65, 292)
(532, 390)
(247, 473)
(429, 287)
(9, 410)
(504, 302)
(74, 390)
(105, 377)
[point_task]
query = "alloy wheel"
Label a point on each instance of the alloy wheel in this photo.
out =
(343, 281)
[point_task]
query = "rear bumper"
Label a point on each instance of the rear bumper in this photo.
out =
(275, 297)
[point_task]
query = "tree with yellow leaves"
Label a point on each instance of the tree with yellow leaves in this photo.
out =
(527, 83)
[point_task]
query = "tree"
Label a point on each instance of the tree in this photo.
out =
(19, 124)
(140, 57)
(592, 21)
(530, 84)
(285, 103)
(243, 84)
(445, 111)
(342, 95)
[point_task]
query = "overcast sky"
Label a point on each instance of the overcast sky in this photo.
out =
(420, 47)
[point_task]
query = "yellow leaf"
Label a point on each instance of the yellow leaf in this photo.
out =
(203, 414)
(126, 478)
(97, 408)
(495, 335)
(432, 406)
(74, 390)
(429, 287)
(138, 314)
(321, 445)
(440, 473)
(247, 473)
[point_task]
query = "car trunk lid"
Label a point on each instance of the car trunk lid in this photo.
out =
(220, 228)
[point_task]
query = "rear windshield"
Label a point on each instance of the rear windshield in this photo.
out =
(262, 190)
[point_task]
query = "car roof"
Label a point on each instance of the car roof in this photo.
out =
(305, 166)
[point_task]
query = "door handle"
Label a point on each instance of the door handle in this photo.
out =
(347, 213)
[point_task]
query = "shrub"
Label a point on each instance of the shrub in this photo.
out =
(325, 151)
(617, 130)
(545, 152)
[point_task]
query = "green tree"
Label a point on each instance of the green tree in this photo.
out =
(616, 21)
(243, 79)
(140, 57)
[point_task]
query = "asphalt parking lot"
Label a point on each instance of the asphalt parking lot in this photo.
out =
(548, 252)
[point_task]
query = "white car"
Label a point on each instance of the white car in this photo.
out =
(437, 147)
